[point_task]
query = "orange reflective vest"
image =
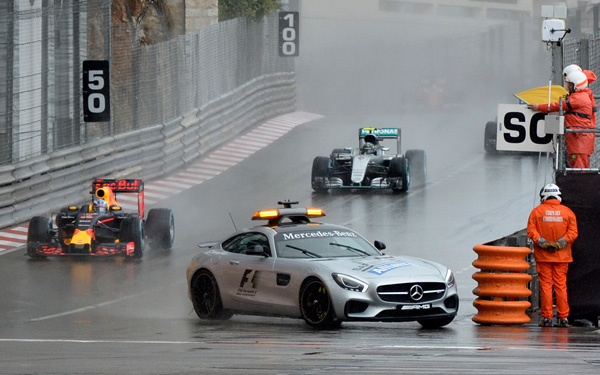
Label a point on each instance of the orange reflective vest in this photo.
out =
(552, 221)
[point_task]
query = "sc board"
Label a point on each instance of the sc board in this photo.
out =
(521, 129)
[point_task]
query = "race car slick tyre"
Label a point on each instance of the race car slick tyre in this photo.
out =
(399, 168)
(489, 137)
(131, 231)
(315, 305)
(320, 173)
(436, 322)
(206, 297)
(418, 165)
(160, 228)
(40, 230)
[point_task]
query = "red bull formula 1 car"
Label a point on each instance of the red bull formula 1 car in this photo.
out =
(102, 228)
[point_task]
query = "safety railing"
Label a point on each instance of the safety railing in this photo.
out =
(48, 182)
(562, 156)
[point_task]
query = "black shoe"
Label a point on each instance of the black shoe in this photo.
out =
(563, 323)
(546, 322)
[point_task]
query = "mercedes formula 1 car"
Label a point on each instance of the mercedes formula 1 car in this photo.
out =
(369, 166)
(102, 228)
(322, 273)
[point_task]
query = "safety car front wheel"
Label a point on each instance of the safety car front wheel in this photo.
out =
(315, 305)
(206, 297)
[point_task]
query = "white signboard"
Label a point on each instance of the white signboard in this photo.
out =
(521, 129)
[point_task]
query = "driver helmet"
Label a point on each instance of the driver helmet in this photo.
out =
(100, 206)
(368, 148)
(578, 78)
(550, 191)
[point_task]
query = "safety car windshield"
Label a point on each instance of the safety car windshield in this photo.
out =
(320, 243)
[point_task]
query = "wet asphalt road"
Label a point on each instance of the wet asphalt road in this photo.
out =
(108, 316)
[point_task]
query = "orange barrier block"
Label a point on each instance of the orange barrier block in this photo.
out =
(501, 285)
(501, 312)
(501, 258)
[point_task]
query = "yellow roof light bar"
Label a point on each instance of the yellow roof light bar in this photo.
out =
(265, 214)
(287, 212)
(315, 212)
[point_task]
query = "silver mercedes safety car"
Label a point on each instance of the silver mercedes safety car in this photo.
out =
(370, 166)
(323, 273)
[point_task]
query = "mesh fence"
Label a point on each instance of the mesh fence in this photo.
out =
(586, 53)
(44, 43)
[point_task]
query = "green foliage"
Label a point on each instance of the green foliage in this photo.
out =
(250, 9)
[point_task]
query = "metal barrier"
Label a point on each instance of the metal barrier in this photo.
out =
(501, 285)
(43, 184)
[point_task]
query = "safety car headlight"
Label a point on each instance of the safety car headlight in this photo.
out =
(450, 282)
(350, 283)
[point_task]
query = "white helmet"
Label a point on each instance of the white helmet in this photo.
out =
(550, 191)
(578, 78)
(571, 68)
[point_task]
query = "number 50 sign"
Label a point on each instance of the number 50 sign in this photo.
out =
(96, 91)
(288, 33)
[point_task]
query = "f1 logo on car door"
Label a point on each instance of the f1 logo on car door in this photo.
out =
(248, 283)
(96, 91)
(521, 129)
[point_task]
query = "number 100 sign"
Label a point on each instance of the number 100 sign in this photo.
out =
(96, 91)
(288, 33)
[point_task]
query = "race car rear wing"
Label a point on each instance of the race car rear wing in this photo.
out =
(123, 186)
(380, 133)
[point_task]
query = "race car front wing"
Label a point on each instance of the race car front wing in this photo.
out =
(103, 249)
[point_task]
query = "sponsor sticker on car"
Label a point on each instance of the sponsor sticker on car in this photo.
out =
(393, 132)
(383, 268)
(317, 233)
(424, 306)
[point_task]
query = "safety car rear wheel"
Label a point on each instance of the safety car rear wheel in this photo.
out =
(132, 231)
(160, 228)
(320, 173)
(40, 231)
(206, 297)
(399, 169)
(417, 161)
(315, 305)
(436, 322)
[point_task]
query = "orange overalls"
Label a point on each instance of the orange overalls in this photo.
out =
(579, 111)
(552, 221)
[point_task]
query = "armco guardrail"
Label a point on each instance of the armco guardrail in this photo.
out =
(46, 183)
